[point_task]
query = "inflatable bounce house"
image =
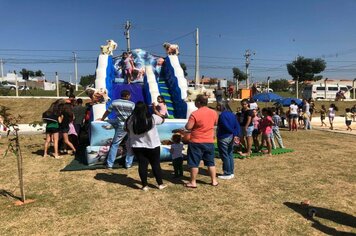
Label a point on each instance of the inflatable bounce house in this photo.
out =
(146, 76)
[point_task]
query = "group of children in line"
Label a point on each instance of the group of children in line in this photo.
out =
(256, 123)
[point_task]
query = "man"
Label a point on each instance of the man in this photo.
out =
(123, 109)
(201, 146)
(79, 115)
(218, 92)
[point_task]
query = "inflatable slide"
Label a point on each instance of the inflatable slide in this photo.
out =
(151, 76)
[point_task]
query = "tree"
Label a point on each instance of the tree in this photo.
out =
(279, 85)
(87, 80)
(184, 67)
(39, 73)
(304, 69)
(238, 75)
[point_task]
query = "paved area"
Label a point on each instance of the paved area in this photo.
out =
(339, 125)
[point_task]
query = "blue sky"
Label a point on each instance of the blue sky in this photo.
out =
(42, 34)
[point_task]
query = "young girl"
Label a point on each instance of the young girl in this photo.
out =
(332, 111)
(266, 129)
(348, 118)
(323, 115)
(66, 117)
(177, 156)
(52, 118)
(160, 109)
(255, 133)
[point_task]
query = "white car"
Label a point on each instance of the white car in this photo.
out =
(7, 85)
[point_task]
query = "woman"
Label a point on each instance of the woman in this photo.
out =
(143, 134)
(293, 116)
(52, 119)
(228, 130)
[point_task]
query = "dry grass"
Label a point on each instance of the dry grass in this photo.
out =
(321, 169)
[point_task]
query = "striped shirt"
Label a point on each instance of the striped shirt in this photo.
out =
(122, 108)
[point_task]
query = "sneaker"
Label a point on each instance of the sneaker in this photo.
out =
(162, 186)
(145, 188)
(108, 167)
(226, 176)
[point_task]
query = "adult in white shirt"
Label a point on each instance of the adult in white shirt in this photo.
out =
(145, 142)
(293, 116)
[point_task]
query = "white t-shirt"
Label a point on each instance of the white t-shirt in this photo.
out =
(177, 149)
(331, 112)
(149, 139)
(293, 109)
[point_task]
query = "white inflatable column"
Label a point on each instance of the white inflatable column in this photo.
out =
(100, 82)
(152, 83)
(179, 73)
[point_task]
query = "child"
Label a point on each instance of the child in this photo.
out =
(3, 127)
(255, 133)
(275, 129)
(128, 66)
(323, 115)
(332, 112)
(266, 129)
(160, 109)
(348, 118)
(300, 118)
(177, 156)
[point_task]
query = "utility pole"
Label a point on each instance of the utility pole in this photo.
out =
(57, 84)
(76, 70)
(2, 69)
(325, 87)
(17, 84)
(353, 87)
(247, 56)
(127, 34)
(268, 84)
(197, 76)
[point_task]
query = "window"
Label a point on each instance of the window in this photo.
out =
(320, 88)
(344, 89)
(333, 88)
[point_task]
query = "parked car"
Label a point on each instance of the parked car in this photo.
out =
(7, 85)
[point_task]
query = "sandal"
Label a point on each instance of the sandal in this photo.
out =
(189, 185)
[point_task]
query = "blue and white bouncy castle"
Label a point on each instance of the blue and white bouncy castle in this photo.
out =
(152, 76)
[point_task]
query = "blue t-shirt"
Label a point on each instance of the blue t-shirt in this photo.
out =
(227, 125)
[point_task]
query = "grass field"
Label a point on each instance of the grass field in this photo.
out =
(263, 199)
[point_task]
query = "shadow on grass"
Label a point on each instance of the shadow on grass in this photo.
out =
(118, 179)
(335, 216)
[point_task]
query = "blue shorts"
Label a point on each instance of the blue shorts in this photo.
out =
(201, 151)
(293, 116)
(248, 132)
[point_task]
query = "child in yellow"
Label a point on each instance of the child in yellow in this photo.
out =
(348, 118)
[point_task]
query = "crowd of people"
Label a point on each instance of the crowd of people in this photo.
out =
(250, 129)
(64, 120)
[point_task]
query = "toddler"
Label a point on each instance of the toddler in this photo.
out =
(160, 109)
(177, 155)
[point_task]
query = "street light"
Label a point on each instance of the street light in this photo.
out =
(75, 70)
(325, 87)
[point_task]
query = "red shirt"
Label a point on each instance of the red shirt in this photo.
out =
(204, 120)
